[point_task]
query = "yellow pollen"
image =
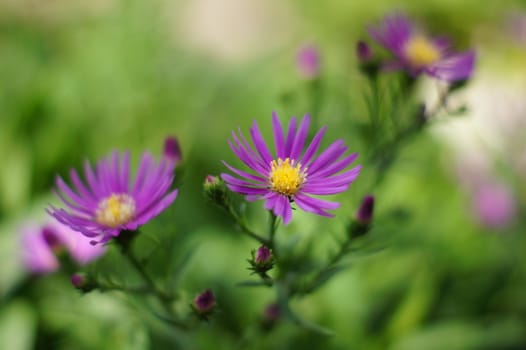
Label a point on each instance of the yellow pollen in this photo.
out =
(115, 210)
(420, 51)
(286, 176)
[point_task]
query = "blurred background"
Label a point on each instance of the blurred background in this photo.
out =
(81, 78)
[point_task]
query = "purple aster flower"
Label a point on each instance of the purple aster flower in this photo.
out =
(293, 174)
(41, 244)
(109, 202)
(418, 53)
(308, 62)
(495, 205)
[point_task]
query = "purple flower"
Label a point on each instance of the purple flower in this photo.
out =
(172, 150)
(41, 244)
(293, 174)
(494, 205)
(109, 202)
(418, 53)
(308, 62)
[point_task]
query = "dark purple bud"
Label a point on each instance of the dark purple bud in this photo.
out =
(78, 280)
(271, 315)
(308, 62)
(365, 212)
(205, 302)
(172, 150)
(51, 238)
(363, 52)
(263, 256)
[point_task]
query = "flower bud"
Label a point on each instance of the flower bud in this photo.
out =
(262, 260)
(363, 52)
(216, 191)
(368, 64)
(271, 315)
(172, 150)
(365, 212)
(204, 303)
(308, 62)
(82, 282)
(52, 239)
(363, 217)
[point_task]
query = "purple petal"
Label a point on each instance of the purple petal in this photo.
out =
(335, 167)
(245, 174)
(290, 136)
(86, 194)
(393, 33)
(338, 180)
(260, 144)
(278, 136)
(332, 153)
(299, 139)
(455, 67)
(229, 179)
(315, 205)
(313, 147)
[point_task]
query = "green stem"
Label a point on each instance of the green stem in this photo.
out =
(244, 228)
(272, 231)
(161, 295)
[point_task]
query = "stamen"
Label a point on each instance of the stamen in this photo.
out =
(420, 51)
(115, 210)
(286, 176)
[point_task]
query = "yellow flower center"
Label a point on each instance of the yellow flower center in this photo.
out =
(420, 51)
(286, 176)
(115, 210)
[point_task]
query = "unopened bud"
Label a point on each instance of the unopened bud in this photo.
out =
(82, 282)
(204, 303)
(361, 223)
(368, 64)
(365, 212)
(215, 190)
(271, 315)
(363, 52)
(262, 260)
(172, 150)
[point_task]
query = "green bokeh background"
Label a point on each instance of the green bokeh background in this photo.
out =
(80, 79)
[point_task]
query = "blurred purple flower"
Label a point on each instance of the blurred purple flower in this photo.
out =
(308, 62)
(292, 175)
(109, 203)
(40, 244)
(417, 53)
(495, 205)
(172, 150)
